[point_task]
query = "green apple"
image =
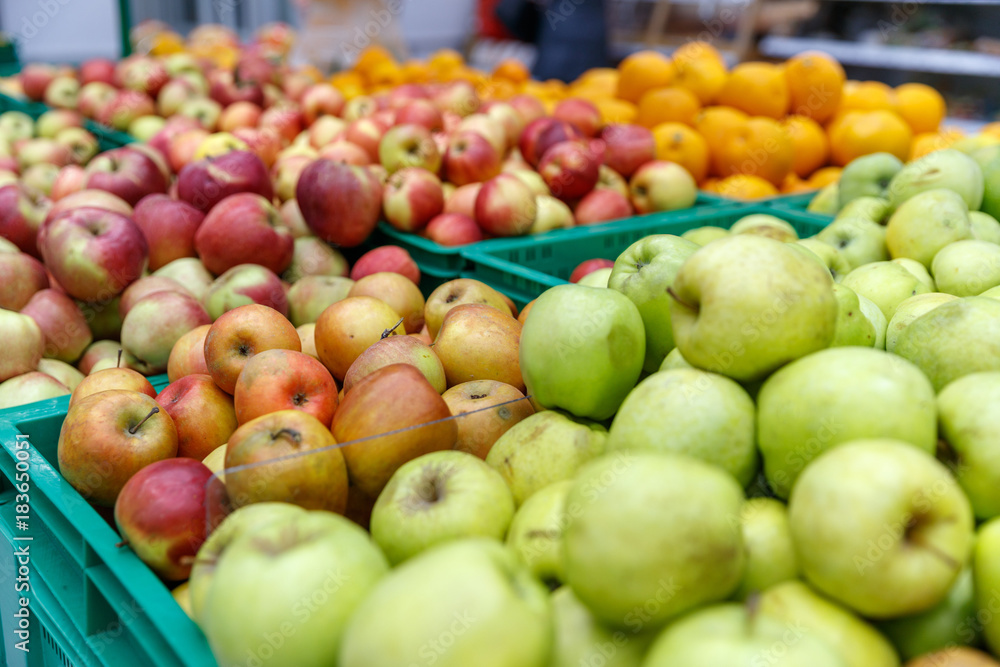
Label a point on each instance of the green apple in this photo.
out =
(984, 227)
(763, 224)
(909, 310)
(878, 319)
(835, 396)
(767, 540)
(708, 416)
(826, 201)
(245, 519)
(881, 527)
(581, 640)
(644, 273)
(967, 268)
(948, 168)
(598, 278)
(949, 623)
(868, 176)
(462, 603)
(955, 339)
(746, 305)
(736, 635)
(827, 254)
(705, 235)
(436, 498)
(986, 577)
(970, 428)
(282, 593)
(993, 293)
(875, 209)
(970, 145)
(857, 642)
(918, 270)
(544, 448)
(582, 350)
(985, 154)
(886, 284)
(927, 222)
(674, 360)
(536, 533)
(853, 328)
(650, 537)
(991, 194)
(859, 240)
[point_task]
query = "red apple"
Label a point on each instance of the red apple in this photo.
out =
(241, 333)
(92, 253)
(389, 258)
(286, 173)
(505, 206)
(35, 78)
(113, 376)
(359, 107)
(169, 226)
(225, 89)
(421, 112)
(345, 152)
(142, 73)
(285, 380)
(22, 212)
(470, 159)
(98, 351)
(396, 291)
(243, 228)
(408, 146)
(106, 438)
(581, 113)
(314, 257)
(589, 266)
(31, 152)
(203, 110)
(70, 180)
(166, 511)
(528, 107)
(97, 69)
(412, 196)
(284, 118)
(508, 118)
(340, 203)
(23, 344)
(188, 355)
(243, 285)
(463, 200)
(90, 199)
(397, 350)
(458, 97)
(479, 428)
(402, 95)
(125, 107)
(570, 169)
(627, 147)
(62, 324)
(94, 98)
(50, 123)
(321, 99)
(453, 229)
(291, 215)
(126, 172)
(601, 206)
(662, 185)
(203, 414)
(145, 286)
(264, 143)
(239, 114)
(325, 131)
(204, 183)
(366, 133)
(21, 276)
(543, 133)
(155, 323)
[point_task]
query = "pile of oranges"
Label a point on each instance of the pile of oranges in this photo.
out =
(756, 130)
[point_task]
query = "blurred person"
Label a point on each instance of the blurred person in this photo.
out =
(335, 32)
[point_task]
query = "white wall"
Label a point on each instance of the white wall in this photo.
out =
(62, 30)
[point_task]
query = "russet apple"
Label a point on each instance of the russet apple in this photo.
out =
(398, 292)
(63, 325)
(478, 426)
(156, 322)
(386, 259)
(285, 380)
(204, 183)
(188, 354)
(340, 203)
(479, 342)
(108, 437)
(243, 285)
(166, 511)
(21, 276)
(397, 350)
(244, 228)
(348, 327)
(202, 413)
(239, 334)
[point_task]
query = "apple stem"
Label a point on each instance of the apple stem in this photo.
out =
(949, 561)
(136, 427)
(121, 544)
(388, 332)
(673, 294)
(118, 364)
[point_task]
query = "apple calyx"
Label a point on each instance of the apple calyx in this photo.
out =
(136, 427)
(291, 434)
(389, 332)
(947, 455)
(911, 536)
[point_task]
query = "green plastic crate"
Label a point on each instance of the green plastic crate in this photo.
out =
(798, 204)
(449, 260)
(523, 269)
(91, 602)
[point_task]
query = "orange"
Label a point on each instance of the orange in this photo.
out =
(445, 60)
(991, 129)
(858, 133)
(793, 183)
(710, 185)
(416, 71)
(760, 147)
(500, 90)
(601, 82)
(643, 71)
(823, 177)
(921, 106)
(745, 186)
(812, 148)
(599, 75)
(815, 85)
(372, 56)
(714, 122)
(701, 70)
(679, 143)
(928, 142)
(614, 110)
(667, 105)
(867, 96)
(385, 74)
(511, 70)
(759, 89)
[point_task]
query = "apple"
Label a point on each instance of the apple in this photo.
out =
(551, 213)
(541, 134)
(609, 179)
(183, 145)
(398, 292)
(226, 89)
(386, 259)
(411, 197)
(505, 206)
(125, 172)
(69, 181)
(453, 229)
(598, 278)
(165, 512)
(21, 276)
(92, 253)
(154, 324)
(243, 285)
(319, 100)
(570, 169)
(238, 334)
(627, 147)
(98, 351)
(30, 387)
(403, 94)
(459, 97)
(219, 143)
(188, 354)
(587, 267)
(292, 218)
(463, 200)
(366, 133)
(108, 437)
(957, 656)
(349, 326)
(984, 227)
(479, 342)
(867, 176)
(62, 92)
(859, 240)
(285, 118)
(205, 182)
(798, 419)
(188, 272)
(50, 123)
(311, 295)
(143, 73)
(908, 311)
(531, 178)
(67, 375)
(203, 110)
(340, 203)
(240, 229)
(767, 542)
(709, 416)
(35, 78)
(887, 284)
(697, 502)
(984, 575)
(720, 306)
(508, 118)
(173, 95)
(239, 114)
(479, 427)
(952, 340)
(470, 158)
(97, 69)
(876, 209)
(276, 380)
(63, 325)
(327, 131)
(346, 567)
(662, 186)
(536, 532)
(42, 151)
(421, 112)
(169, 226)
(314, 257)
(947, 168)
(853, 325)
(580, 113)
(344, 152)
(126, 105)
(926, 223)
(110, 373)
(408, 146)
(264, 143)
(967, 268)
